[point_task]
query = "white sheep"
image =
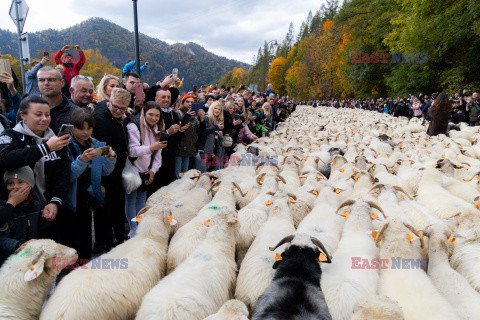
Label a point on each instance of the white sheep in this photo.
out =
(188, 237)
(176, 189)
(404, 282)
(256, 271)
(112, 286)
(454, 288)
(231, 310)
(27, 276)
(344, 281)
(203, 282)
(377, 307)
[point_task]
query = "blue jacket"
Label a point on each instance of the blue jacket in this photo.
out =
(130, 67)
(31, 82)
(100, 166)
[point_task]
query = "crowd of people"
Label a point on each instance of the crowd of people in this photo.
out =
(438, 108)
(65, 145)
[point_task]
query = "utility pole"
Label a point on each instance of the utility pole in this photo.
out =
(137, 46)
(18, 13)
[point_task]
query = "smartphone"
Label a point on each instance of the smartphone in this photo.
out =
(196, 107)
(186, 119)
(164, 136)
(65, 129)
(139, 93)
(174, 73)
(5, 66)
(70, 47)
(46, 54)
(102, 151)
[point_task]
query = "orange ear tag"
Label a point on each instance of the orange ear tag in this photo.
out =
(337, 191)
(374, 234)
(207, 223)
(333, 163)
(292, 201)
(443, 156)
(374, 216)
(402, 196)
(268, 203)
(409, 237)
(451, 238)
(344, 214)
(421, 234)
(171, 220)
(319, 178)
(278, 257)
(31, 268)
(322, 257)
(355, 179)
(341, 170)
(212, 180)
(315, 192)
(216, 190)
(137, 219)
(233, 190)
(355, 170)
(478, 205)
(195, 179)
(181, 174)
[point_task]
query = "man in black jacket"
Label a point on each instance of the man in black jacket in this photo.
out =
(166, 174)
(50, 83)
(110, 128)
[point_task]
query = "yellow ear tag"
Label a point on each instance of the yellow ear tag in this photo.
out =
(451, 238)
(322, 257)
(207, 223)
(212, 180)
(315, 192)
(402, 196)
(344, 214)
(292, 201)
(337, 191)
(410, 237)
(341, 170)
(268, 203)
(374, 234)
(278, 257)
(181, 174)
(374, 216)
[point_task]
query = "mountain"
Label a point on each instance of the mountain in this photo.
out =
(197, 65)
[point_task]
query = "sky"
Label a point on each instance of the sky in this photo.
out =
(231, 28)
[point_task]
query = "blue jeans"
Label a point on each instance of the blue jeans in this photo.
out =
(134, 202)
(198, 162)
(219, 153)
(181, 165)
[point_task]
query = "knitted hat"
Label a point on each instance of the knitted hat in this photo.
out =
(185, 97)
(23, 173)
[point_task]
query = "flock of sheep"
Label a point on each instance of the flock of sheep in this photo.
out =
(350, 215)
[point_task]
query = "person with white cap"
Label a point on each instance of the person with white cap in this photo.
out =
(20, 211)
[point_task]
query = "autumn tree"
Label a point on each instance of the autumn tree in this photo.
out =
(97, 65)
(277, 75)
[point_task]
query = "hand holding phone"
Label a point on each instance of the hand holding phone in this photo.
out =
(174, 74)
(139, 93)
(102, 151)
(186, 119)
(65, 129)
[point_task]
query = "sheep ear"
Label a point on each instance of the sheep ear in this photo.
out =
(36, 269)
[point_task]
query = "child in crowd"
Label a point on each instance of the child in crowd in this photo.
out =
(20, 211)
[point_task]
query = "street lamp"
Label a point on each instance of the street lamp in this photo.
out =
(137, 46)
(265, 62)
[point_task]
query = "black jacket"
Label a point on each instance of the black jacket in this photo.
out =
(18, 150)
(171, 118)
(114, 133)
(61, 114)
(18, 224)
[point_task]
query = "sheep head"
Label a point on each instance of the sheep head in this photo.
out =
(43, 255)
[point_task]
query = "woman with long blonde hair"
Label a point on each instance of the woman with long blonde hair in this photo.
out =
(106, 85)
